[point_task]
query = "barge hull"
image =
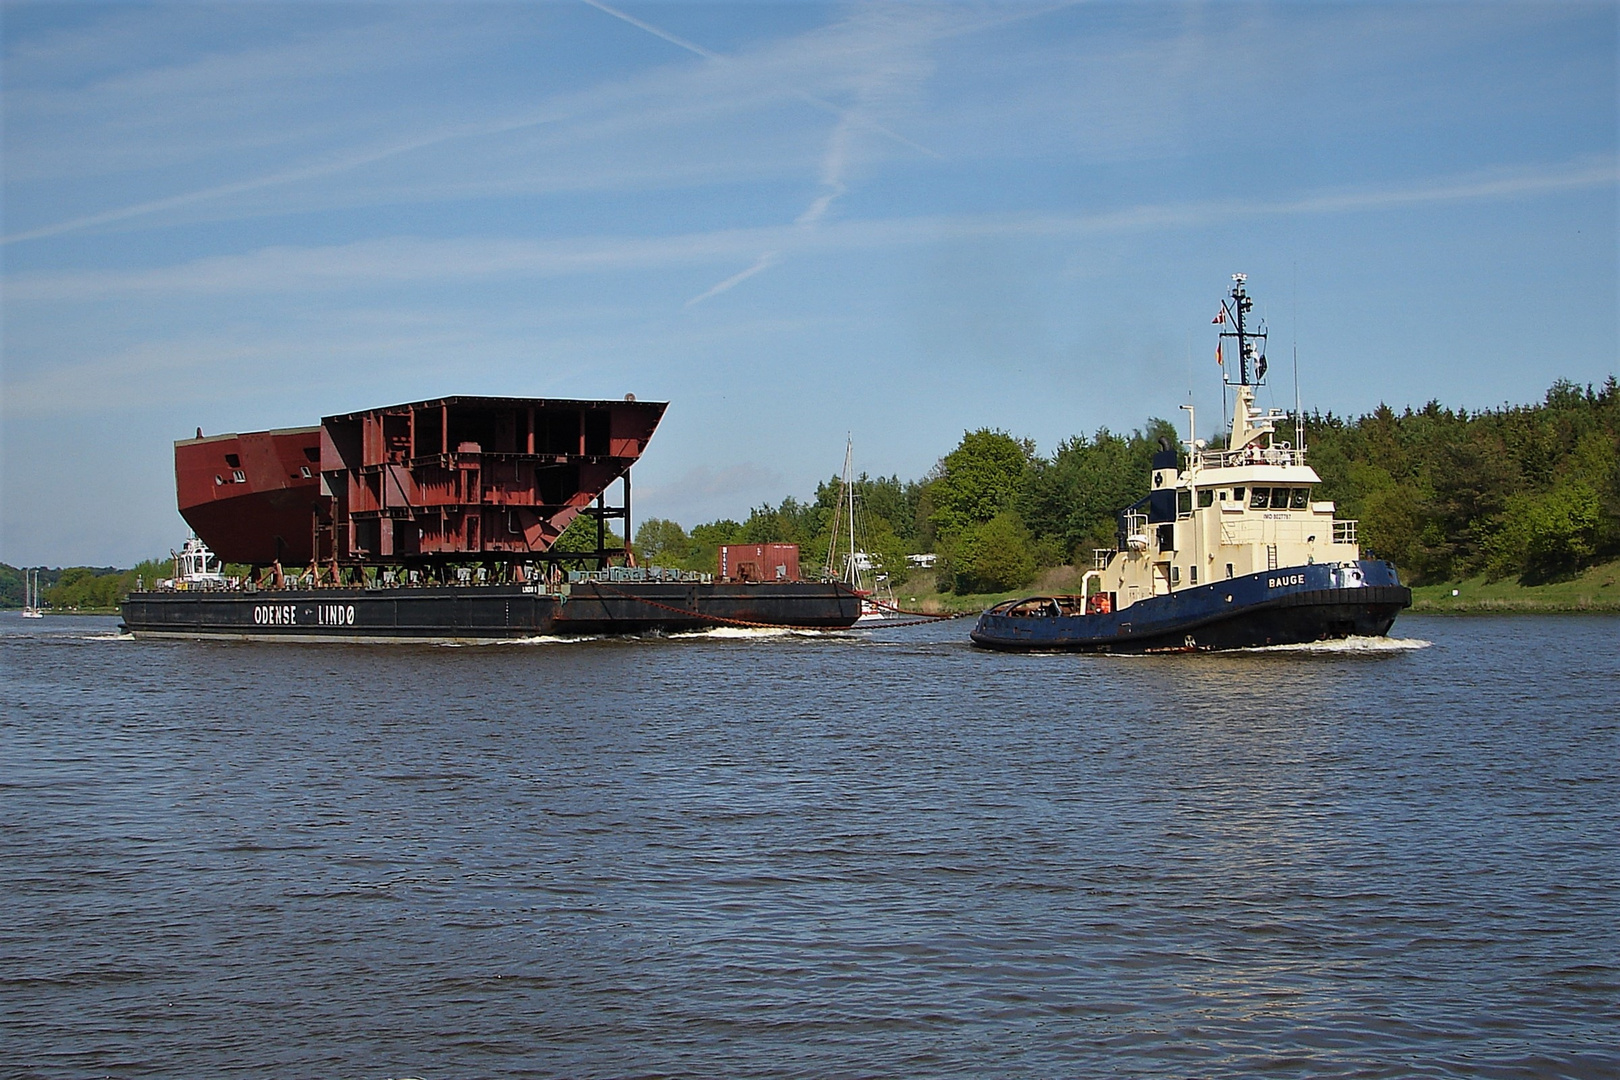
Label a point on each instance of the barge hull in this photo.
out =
(484, 613)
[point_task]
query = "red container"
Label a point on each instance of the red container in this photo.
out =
(759, 562)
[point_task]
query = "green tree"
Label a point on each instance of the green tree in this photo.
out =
(580, 537)
(983, 476)
(660, 542)
(706, 541)
(993, 556)
(1549, 536)
(1072, 499)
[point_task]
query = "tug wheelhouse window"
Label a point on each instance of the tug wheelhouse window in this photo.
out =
(1237, 494)
(1259, 500)
(1184, 501)
(1301, 498)
(1206, 497)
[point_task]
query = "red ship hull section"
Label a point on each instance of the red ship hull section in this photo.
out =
(252, 498)
(453, 478)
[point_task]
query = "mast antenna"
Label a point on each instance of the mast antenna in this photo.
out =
(1299, 415)
(1251, 344)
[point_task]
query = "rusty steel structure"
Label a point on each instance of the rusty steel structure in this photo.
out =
(490, 480)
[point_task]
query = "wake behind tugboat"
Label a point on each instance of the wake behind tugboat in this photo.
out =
(1233, 551)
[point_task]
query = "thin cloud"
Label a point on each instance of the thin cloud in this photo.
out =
(374, 262)
(650, 103)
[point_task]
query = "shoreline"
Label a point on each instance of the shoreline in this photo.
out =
(1595, 591)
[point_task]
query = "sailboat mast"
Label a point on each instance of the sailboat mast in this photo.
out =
(849, 493)
(832, 570)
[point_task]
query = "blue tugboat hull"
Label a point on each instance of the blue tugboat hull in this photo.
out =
(1286, 606)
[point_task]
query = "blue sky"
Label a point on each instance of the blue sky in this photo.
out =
(792, 221)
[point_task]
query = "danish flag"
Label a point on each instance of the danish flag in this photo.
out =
(1220, 317)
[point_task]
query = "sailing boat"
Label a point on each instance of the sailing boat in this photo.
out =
(847, 562)
(31, 595)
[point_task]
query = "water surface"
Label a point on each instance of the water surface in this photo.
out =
(867, 854)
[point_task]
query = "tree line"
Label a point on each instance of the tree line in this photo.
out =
(1529, 491)
(82, 588)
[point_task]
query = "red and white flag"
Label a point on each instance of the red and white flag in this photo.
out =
(1220, 317)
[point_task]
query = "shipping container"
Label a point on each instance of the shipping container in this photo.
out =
(759, 562)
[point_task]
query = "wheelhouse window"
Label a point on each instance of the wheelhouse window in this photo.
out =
(1184, 501)
(1301, 499)
(1237, 494)
(1260, 499)
(1206, 497)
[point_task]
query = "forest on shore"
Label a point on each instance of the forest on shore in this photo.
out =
(1529, 493)
(1524, 492)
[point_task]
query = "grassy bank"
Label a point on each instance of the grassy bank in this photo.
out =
(1598, 589)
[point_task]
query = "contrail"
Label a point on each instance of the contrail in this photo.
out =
(288, 176)
(803, 95)
(655, 31)
(764, 262)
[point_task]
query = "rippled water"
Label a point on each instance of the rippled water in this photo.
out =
(870, 854)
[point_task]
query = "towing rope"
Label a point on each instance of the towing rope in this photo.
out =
(927, 618)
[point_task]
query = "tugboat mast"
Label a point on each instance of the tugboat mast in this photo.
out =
(1251, 343)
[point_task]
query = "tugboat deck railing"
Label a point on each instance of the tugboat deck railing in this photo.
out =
(1299, 530)
(1252, 455)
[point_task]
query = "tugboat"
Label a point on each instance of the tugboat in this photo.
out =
(1232, 551)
